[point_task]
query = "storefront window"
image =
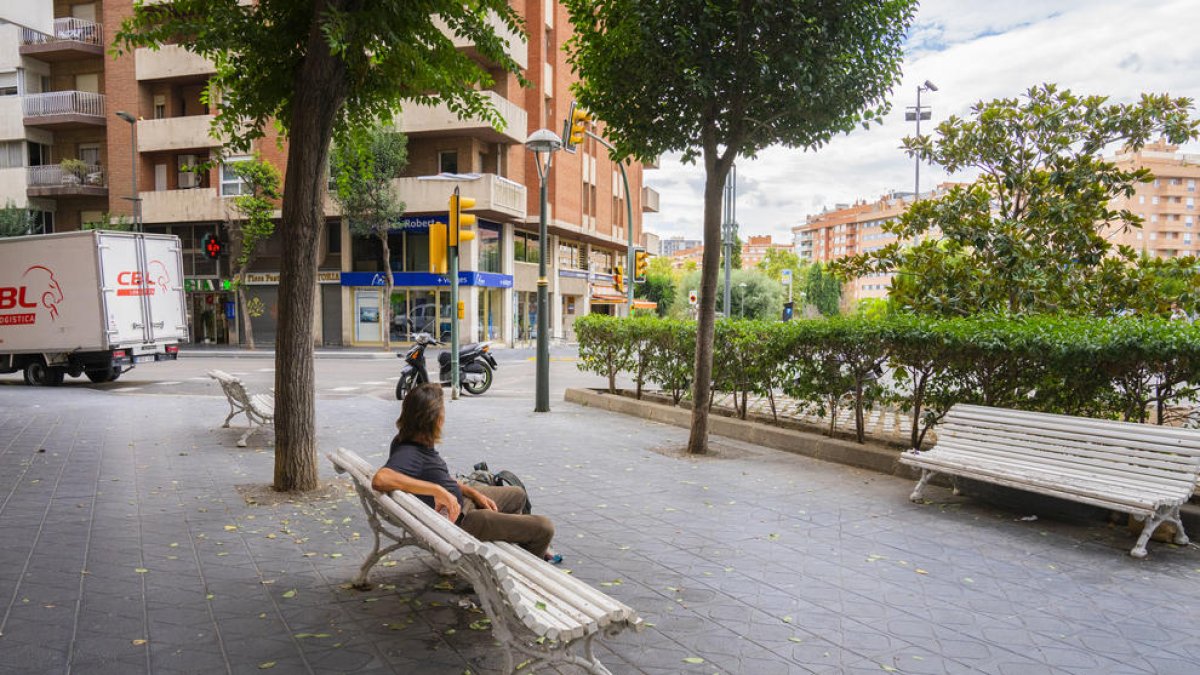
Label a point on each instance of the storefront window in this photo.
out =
(490, 304)
(416, 252)
(525, 247)
(489, 248)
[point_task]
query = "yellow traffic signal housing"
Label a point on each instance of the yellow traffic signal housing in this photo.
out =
(437, 248)
(460, 220)
(619, 279)
(641, 264)
(577, 121)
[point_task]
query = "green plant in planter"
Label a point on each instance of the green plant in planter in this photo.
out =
(73, 170)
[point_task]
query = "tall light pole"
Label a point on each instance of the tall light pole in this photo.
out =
(742, 300)
(543, 143)
(629, 222)
(137, 202)
(916, 114)
(729, 233)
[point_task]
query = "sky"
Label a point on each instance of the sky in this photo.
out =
(972, 50)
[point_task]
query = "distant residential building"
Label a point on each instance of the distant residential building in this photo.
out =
(755, 248)
(669, 247)
(652, 243)
(1167, 205)
(851, 229)
(680, 258)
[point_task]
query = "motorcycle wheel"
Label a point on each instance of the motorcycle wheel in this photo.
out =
(403, 386)
(477, 389)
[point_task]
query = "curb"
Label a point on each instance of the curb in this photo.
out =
(818, 447)
(797, 442)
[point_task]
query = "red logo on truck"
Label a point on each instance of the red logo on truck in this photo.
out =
(156, 279)
(40, 288)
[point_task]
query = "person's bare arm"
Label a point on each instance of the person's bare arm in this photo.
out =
(386, 480)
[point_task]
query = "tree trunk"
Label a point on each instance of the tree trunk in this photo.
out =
(320, 92)
(385, 305)
(715, 172)
(243, 311)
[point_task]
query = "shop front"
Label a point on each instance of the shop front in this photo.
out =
(420, 303)
(209, 309)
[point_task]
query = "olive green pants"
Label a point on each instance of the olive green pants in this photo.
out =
(507, 523)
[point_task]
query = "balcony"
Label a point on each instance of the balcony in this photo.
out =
(649, 200)
(64, 110)
(59, 180)
(176, 133)
(496, 198)
(72, 39)
(651, 163)
(171, 62)
(435, 121)
(518, 50)
(175, 206)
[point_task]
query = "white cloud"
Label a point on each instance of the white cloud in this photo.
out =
(973, 50)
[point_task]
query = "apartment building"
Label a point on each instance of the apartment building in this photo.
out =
(1167, 205)
(672, 245)
(755, 249)
(850, 229)
(70, 114)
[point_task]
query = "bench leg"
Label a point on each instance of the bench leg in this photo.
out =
(1160, 516)
(249, 430)
(1181, 538)
(232, 412)
(926, 474)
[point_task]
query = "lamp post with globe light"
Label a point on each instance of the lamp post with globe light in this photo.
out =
(543, 143)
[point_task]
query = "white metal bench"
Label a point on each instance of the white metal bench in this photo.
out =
(1145, 470)
(259, 409)
(536, 609)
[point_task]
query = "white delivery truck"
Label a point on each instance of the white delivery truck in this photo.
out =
(89, 303)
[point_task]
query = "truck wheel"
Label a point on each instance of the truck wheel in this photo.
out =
(37, 374)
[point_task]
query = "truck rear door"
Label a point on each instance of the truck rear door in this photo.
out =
(121, 275)
(165, 295)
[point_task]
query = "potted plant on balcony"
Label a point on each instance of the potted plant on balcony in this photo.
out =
(73, 171)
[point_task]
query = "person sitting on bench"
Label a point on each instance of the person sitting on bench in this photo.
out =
(489, 513)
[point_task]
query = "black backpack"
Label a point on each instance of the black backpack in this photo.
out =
(482, 476)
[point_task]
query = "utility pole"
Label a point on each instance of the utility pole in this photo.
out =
(729, 233)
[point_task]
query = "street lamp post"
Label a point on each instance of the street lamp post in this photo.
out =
(916, 114)
(729, 233)
(543, 143)
(742, 300)
(137, 202)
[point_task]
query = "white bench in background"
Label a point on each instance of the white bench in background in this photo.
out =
(536, 609)
(1145, 470)
(259, 409)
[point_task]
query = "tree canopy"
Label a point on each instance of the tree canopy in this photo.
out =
(1031, 234)
(720, 79)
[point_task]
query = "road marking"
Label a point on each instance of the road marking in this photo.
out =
(566, 359)
(343, 389)
(266, 370)
(125, 389)
(374, 383)
(198, 379)
(168, 382)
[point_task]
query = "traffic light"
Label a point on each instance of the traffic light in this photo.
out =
(460, 220)
(641, 263)
(212, 245)
(619, 279)
(437, 248)
(577, 119)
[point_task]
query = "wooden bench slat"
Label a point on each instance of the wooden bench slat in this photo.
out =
(1124, 432)
(563, 592)
(1166, 455)
(616, 610)
(1116, 467)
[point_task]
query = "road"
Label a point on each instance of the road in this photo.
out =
(338, 375)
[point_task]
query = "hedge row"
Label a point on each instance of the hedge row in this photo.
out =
(1116, 368)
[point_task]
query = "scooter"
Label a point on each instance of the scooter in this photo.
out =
(475, 366)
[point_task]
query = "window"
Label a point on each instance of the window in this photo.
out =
(8, 84)
(601, 261)
(1191, 202)
(490, 258)
(232, 184)
(160, 106)
(525, 247)
(568, 255)
(1154, 200)
(448, 161)
(89, 153)
(12, 154)
(39, 154)
(1191, 185)
(1141, 199)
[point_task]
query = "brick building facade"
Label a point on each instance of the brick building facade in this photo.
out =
(60, 93)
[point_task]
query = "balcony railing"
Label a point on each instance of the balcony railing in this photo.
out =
(67, 29)
(53, 174)
(63, 103)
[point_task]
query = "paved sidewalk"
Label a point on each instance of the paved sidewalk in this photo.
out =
(128, 548)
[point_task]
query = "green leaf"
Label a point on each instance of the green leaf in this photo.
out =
(290, 594)
(693, 659)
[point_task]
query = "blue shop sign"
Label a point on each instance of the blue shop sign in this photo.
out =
(422, 223)
(414, 279)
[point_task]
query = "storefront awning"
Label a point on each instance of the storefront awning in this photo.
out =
(608, 299)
